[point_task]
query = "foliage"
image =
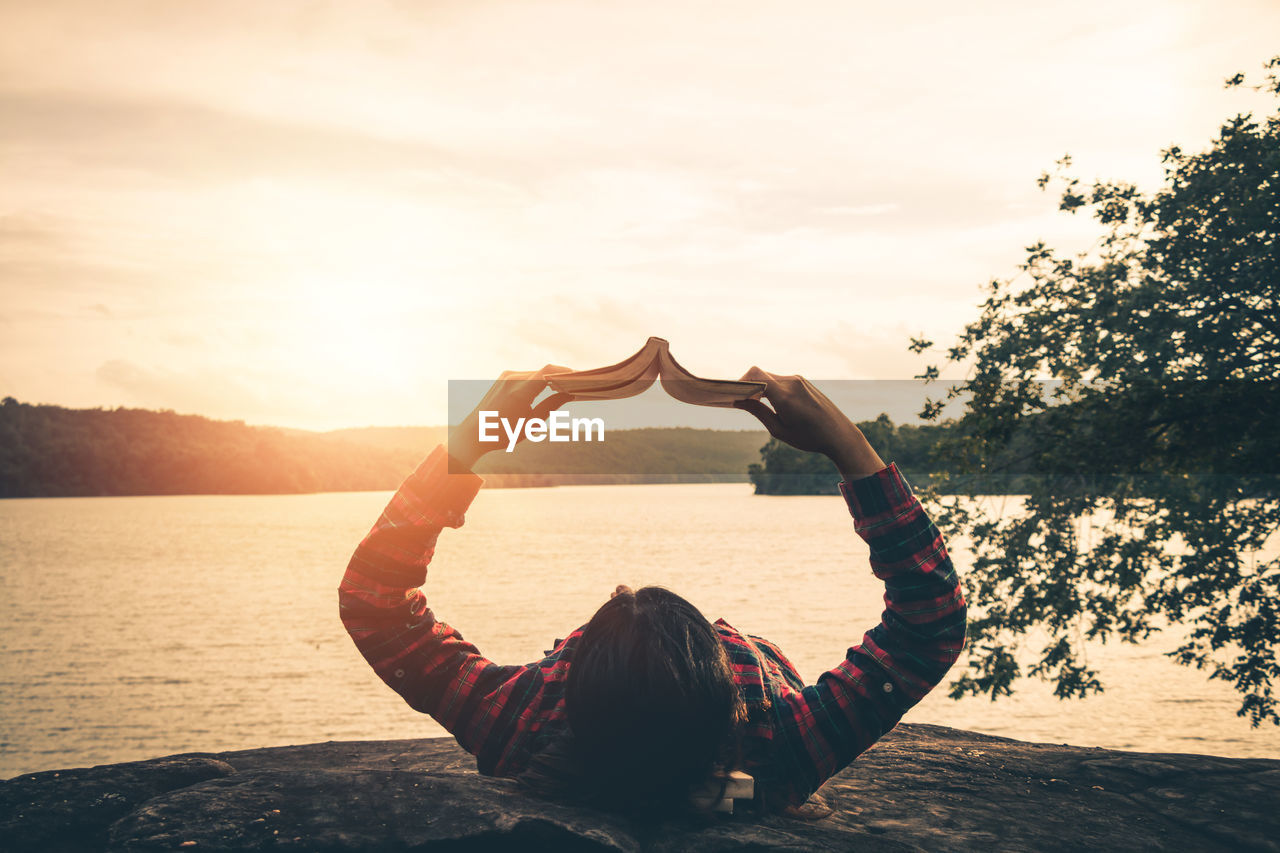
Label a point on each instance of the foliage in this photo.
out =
(783, 470)
(50, 451)
(1152, 454)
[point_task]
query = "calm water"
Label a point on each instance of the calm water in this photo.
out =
(137, 627)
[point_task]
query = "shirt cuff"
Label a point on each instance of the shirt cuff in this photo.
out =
(447, 495)
(884, 491)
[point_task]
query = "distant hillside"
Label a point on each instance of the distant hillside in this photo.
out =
(648, 455)
(50, 451)
(393, 438)
(638, 455)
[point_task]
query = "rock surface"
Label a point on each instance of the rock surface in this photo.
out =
(921, 788)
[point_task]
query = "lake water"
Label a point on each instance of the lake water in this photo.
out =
(138, 627)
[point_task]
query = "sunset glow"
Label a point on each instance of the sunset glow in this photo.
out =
(316, 215)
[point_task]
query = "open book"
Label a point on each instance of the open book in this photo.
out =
(635, 374)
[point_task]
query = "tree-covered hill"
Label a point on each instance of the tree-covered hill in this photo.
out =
(51, 451)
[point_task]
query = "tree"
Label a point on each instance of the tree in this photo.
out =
(1149, 462)
(783, 470)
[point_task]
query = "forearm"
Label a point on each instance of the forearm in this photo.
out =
(380, 602)
(899, 660)
(854, 456)
(464, 446)
(392, 559)
(922, 629)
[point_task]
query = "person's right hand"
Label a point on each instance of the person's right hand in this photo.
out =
(511, 396)
(806, 419)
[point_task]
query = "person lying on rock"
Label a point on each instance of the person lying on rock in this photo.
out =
(635, 709)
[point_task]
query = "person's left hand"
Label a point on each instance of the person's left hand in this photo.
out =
(511, 396)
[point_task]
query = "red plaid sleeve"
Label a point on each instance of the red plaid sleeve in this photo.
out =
(921, 633)
(424, 660)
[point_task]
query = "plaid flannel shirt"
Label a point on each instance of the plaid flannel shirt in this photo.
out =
(797, 736)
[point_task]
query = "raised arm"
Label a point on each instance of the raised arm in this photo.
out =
(921, 632)
(426, 661)
(384, 610)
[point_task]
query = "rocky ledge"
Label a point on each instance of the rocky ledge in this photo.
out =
(921, 788)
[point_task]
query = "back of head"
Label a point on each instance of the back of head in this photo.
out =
(651, 700)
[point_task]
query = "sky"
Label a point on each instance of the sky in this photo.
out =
(316, 214)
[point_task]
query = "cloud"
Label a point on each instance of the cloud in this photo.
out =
(264, 393)
(181, 390)
(23, 232)
(871, 351)
(580, 332)
(863, 209)
(202, 198)
(172, 139)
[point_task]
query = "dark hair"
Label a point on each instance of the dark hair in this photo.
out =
(651, 703)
